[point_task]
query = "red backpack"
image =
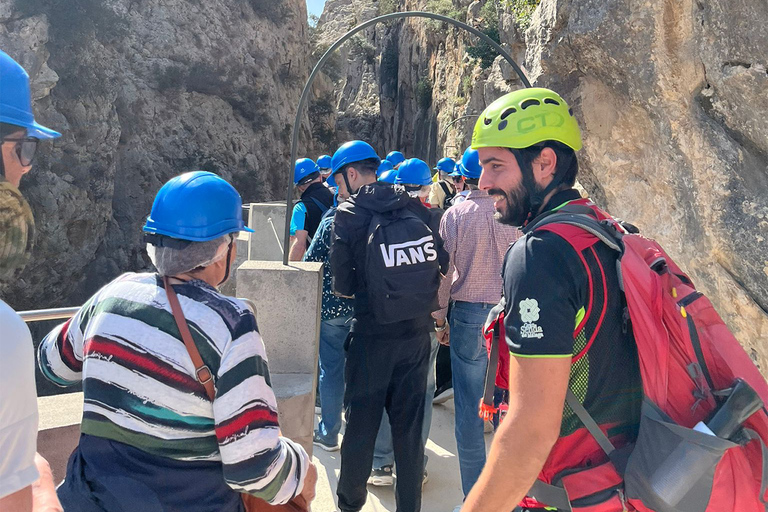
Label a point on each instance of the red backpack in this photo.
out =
(697, 382)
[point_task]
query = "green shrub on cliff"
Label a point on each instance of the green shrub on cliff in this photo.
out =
(523, 11)
(423, 92)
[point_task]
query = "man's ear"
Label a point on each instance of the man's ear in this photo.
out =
(545, 166)
(351, 174)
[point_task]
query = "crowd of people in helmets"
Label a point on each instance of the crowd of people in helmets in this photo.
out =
(179, 412)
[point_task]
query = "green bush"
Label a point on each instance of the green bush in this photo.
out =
(388, 7)
(362, 48)
(446, 8)
(484, 52)
(423, 93)
(523, 11)
(489, 13)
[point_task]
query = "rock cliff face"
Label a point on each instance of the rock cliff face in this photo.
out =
(671, 96)
(143, 90)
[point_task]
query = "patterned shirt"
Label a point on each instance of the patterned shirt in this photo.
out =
(477, 244)
(320, 250)
(139, 385)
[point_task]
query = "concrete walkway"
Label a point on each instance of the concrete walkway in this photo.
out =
(442, 493)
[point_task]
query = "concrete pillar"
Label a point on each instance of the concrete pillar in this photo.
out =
(268, 222)
(242, 242)
(288, 300)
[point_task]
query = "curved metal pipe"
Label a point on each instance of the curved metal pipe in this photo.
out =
(445, 130)
(307, 87)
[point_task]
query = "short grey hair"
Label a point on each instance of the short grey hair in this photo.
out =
(172, 261)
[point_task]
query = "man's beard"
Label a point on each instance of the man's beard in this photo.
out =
(517, 205)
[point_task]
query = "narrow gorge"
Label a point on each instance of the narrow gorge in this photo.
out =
(672, 97)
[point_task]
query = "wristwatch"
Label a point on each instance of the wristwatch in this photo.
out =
(441, 328)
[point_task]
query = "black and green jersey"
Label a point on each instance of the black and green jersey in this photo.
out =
(564, 303)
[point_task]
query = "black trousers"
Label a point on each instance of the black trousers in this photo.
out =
(443, 372)
(384, 372)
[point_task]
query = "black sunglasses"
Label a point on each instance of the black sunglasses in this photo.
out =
(25, 149)
(457, 179)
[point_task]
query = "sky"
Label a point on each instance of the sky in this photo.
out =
(315, 7)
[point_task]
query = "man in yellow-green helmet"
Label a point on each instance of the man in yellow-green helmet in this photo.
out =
(562, 313)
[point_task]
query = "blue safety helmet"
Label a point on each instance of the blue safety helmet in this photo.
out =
(458, 171)
(470, 161)
(389, 176)
(303, 168)
(196, 206)
(15, 99)
(414, 172)
(352, 151)
(446, 165)
(384, 166)
(331, 181)
(324, 162)
(396, 158)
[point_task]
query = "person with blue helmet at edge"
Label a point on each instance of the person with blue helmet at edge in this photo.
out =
(470, 170)
(388, 176)
(415, 176)
(388, 348)
(26, 481)
(395, 158)
(384, 166)
(324, 164)
(335, 320)
(442, 190)
(307, 212)
(174, 421)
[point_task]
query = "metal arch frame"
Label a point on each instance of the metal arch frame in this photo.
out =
(468, 116)
(307, 87)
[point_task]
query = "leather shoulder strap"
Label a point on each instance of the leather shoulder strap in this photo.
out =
(202, 372)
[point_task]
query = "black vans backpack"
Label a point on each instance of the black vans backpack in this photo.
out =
(401, 267)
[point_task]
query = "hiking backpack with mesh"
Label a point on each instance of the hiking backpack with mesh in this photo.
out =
(690, 363)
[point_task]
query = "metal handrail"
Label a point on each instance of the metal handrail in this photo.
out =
(40, 315)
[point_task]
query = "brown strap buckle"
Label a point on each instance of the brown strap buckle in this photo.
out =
(204, 375)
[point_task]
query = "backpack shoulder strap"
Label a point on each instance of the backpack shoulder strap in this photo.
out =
(320, 205)
(608, 235)
(444, 186)
(202, 372)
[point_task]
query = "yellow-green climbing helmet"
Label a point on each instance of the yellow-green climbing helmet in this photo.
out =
(526, 117)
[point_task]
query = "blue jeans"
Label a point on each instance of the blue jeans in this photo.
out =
(333, 333)
(469, 360)
(384, 454)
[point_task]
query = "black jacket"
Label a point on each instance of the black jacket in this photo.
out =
(348, 248)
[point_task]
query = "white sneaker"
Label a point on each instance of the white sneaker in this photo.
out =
(443, 397)
(382, 477)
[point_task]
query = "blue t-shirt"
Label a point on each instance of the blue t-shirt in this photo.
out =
(298, 218)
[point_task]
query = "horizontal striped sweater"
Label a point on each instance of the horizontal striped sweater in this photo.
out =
(139, 385)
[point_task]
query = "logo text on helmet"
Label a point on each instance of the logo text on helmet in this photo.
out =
(550, 119)
(409, 253)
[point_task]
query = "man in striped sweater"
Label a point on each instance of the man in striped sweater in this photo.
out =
(151, 437)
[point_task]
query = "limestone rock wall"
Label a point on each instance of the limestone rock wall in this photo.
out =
(144, 90)
(672, 97)
(673, 100)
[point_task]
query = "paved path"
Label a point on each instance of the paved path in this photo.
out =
(442, 493)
